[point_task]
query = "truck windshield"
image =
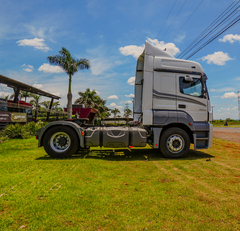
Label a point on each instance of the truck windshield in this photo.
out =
(193, 88)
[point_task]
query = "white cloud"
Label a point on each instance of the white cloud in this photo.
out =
(229, 95)
(222, 89)
(99, 65)
(29, 68)
(37, 43)
(112, 97)
(136, 51)
(98, 92)
(113, 105)
(37, 85)
(131, 81)
(218, 58)
(133, 50)
(131, 95)
(238, 78)
(212, 90)
(47, 68)
(230, 38)
(35, 32)
(57, 93)
(4, 94)
(129, 101)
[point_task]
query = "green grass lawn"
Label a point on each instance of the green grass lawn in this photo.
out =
(121, 190)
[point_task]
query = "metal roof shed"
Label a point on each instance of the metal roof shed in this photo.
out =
(17, 86)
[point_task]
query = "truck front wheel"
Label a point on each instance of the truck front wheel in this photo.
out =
(174, 143)
(60, 142)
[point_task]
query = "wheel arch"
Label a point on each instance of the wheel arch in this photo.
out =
(75, 127)
(178, 125)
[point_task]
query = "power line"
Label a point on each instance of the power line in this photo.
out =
(205, 31)
(173, 20)
(212, 27)
(232, 23)
(166, 18)
(187, 20)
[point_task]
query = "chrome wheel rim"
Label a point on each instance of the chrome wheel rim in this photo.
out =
(60, 142)
(175, 143)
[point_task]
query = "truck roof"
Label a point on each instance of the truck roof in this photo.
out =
(164, 60)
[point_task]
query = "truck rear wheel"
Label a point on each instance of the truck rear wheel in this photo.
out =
(174, 143)
(60, 142)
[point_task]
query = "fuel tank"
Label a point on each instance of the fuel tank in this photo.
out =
(115, 137)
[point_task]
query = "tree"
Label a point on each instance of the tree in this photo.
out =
(115, 111)
(103, 110)
(35, 103)
(127, 112)
(70, 66)
(89, 98)
(46, 104)
(24, 94)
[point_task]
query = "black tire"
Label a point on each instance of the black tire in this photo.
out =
(60, 142)
(174, 143)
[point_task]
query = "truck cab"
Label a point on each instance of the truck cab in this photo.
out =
(172, 93)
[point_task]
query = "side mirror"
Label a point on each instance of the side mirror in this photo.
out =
(188, 79)
(204, 93)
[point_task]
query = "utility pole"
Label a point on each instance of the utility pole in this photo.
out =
(132, 98)
(238, 105)
(212, 112)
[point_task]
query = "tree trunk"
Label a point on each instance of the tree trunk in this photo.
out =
(69, 105)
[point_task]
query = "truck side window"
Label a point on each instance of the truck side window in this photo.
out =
(193, 88)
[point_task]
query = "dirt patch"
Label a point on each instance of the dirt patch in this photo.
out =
(232, 135)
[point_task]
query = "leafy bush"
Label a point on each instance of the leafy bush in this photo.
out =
(16, 131)
(3, 137)
(32, 127)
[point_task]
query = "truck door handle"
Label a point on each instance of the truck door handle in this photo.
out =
(181, 106)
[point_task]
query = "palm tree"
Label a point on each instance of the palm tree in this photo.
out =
(46, 104)
(103, 110)
(24, 94)
(127, 112)
(35, 103)
(89, 98)
(115, 111)
(70, 66)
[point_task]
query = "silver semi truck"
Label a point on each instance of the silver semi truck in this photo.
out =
(171, 104)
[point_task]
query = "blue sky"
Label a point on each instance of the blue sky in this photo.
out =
(111, 34)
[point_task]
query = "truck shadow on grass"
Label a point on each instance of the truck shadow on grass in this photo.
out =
(131, 155)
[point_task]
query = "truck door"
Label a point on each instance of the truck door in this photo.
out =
(164, 91)
(191, 98)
